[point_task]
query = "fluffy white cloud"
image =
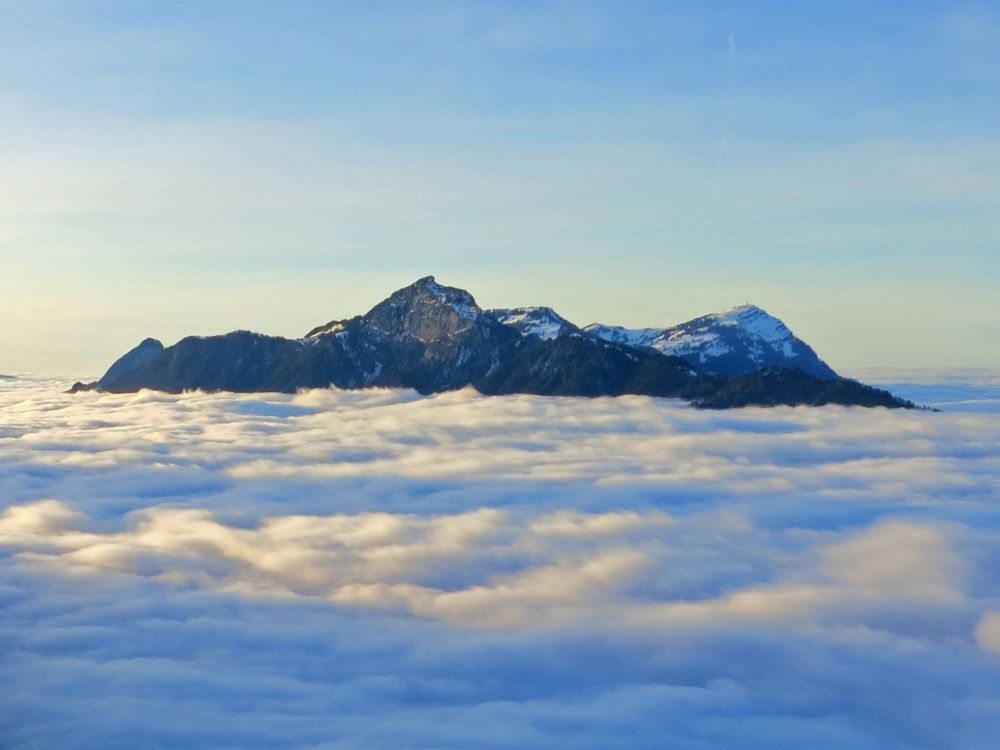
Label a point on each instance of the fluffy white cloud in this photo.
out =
(373, 569)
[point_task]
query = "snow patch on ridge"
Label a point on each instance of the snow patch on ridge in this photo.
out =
(704, 336)
(543, 322)
(638, 337)
(725, 342)
(459, 300)
(755, 322)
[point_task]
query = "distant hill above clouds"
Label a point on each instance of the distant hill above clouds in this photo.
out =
(432, 337)
(737, 341)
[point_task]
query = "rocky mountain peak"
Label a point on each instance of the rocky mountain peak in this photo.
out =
(145, 352)
(425, 310)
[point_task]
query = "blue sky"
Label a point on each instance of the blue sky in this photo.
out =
(175, 168)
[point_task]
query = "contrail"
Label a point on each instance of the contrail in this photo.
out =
(724, 142)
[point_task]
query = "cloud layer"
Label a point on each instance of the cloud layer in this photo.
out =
(377, 569)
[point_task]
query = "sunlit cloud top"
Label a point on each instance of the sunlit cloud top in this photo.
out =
(380, 569)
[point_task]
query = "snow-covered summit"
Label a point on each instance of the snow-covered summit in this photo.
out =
(543, 322)
(736, 341)
(754, 321)
(759, 330)
(638, 337)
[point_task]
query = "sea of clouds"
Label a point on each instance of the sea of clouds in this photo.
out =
(376, 569)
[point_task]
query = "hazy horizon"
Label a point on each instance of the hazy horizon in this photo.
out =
(95, 361)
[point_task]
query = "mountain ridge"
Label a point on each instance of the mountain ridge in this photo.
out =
(736, 341)
(433, 337)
